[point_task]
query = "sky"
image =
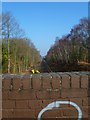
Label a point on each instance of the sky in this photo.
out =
(44, 21)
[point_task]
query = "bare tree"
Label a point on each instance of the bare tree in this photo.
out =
(10, 29)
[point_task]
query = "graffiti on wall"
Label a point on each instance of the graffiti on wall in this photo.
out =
(57, 104)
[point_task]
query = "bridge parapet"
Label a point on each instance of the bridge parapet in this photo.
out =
(24, 96)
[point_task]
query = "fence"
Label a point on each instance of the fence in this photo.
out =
(25, 96)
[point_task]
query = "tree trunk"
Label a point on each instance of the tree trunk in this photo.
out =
(8, 55)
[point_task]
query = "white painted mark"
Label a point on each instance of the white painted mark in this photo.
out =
(56, 104)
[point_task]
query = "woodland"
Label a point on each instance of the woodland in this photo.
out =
(71, 52)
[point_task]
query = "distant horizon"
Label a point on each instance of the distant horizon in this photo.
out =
(43, 22)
